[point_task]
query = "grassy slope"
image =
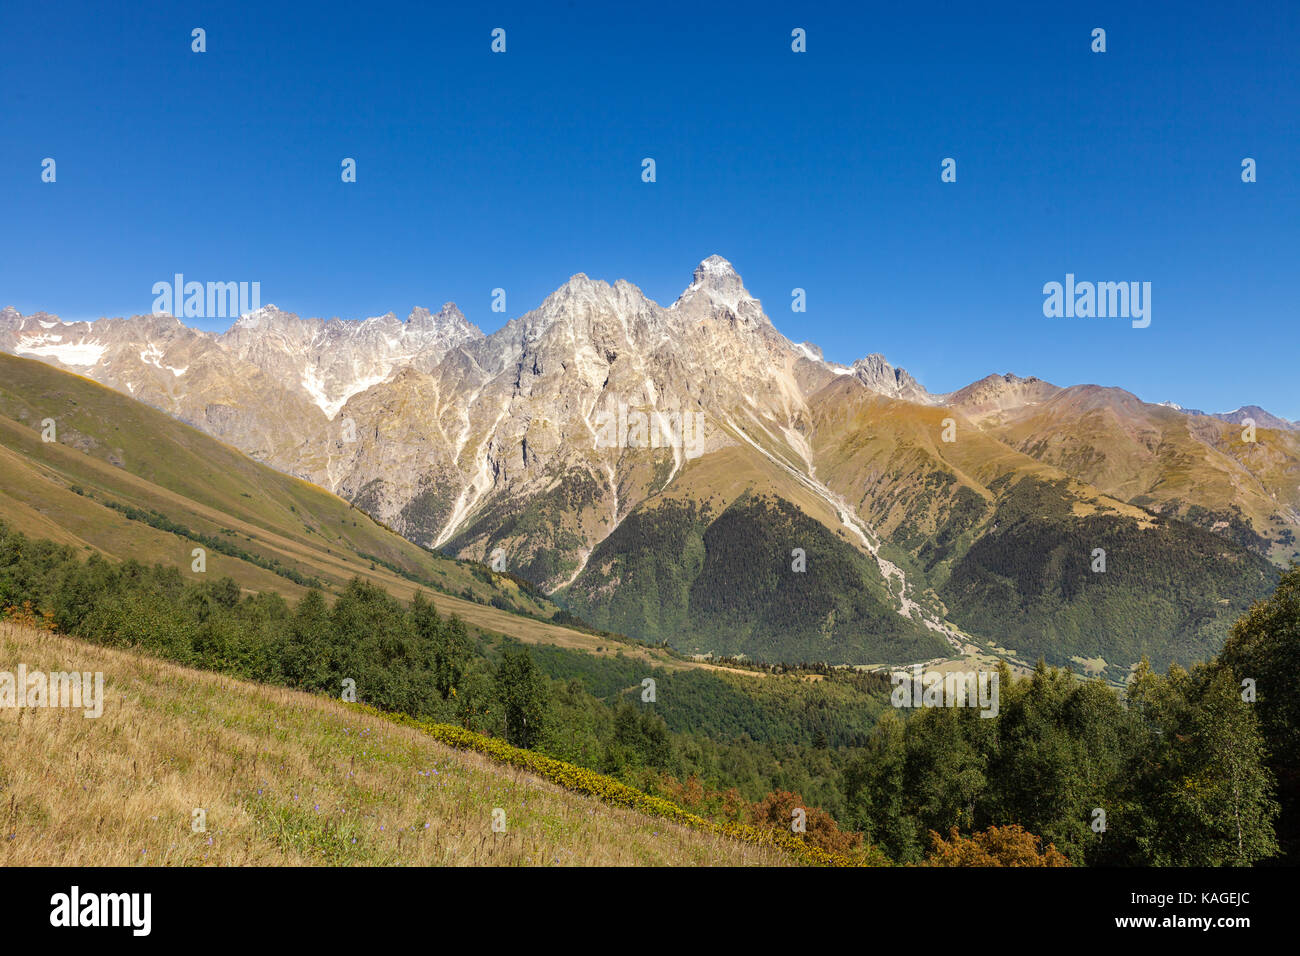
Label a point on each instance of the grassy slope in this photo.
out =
(286, 779)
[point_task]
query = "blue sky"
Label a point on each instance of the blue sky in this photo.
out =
(817, 170)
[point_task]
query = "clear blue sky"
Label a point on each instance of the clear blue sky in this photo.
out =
(817, 170)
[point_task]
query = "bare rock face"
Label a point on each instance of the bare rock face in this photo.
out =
(877, 374)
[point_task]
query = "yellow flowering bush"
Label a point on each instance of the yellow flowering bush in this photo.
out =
(582, 780)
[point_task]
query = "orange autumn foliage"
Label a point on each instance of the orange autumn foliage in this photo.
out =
(997, 846)
(777, 810)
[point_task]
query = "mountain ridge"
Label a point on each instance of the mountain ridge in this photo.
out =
(532, 445)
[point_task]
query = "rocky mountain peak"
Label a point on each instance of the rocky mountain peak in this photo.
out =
(718, 276)
(11, 318)
(443, 330)
(1000, 393)
(875, 372)
(717, 286)
(583, 305)
(716, 269)
(579, 284)
(1260, 416)
(267, 316)
(450, 312)
(579, 289)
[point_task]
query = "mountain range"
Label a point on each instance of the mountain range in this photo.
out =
(688, 474)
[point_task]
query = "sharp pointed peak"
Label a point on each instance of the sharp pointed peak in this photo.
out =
(715, 265)
(717, 273)
(716, 279)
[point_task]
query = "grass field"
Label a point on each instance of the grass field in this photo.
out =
(284, 778)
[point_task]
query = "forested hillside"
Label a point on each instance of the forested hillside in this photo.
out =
(761, 578)
(1047, 581)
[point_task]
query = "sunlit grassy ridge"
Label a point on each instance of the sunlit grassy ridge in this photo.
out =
(285, 778)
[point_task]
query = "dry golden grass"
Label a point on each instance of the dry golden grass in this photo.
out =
(285, 778)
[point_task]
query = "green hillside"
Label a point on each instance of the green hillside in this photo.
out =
(727, 584)
(1170, 591)
(1005, 541)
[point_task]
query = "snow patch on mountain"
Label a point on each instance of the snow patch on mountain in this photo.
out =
(153, 355)
(315, 387)
(69, 353)
(808, 353)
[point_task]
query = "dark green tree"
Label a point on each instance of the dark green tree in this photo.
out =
(1201, 787)
(875, 795)
(522, 691)
(1264, 648)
